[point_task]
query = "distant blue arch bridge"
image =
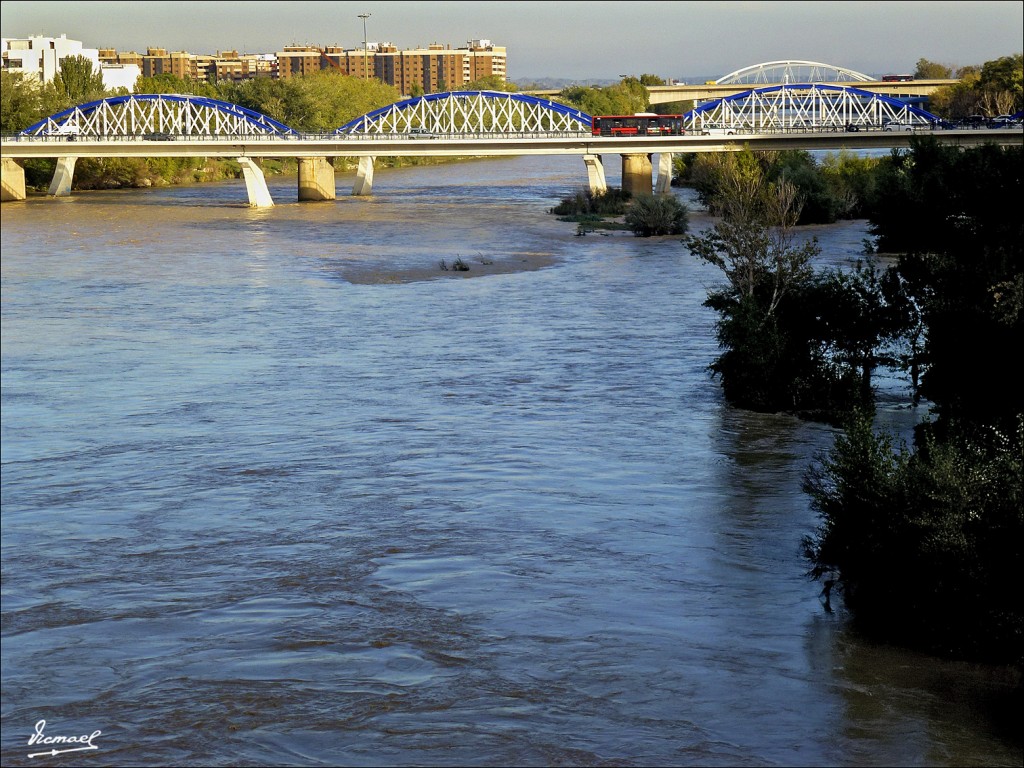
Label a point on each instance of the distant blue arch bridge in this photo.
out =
(458, 123)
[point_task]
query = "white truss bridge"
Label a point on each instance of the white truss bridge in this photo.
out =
(460, 114)
(473, 112)
(793, 71)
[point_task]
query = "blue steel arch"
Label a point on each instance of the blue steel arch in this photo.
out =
(257, 120)
(566, 113)
(869, 96)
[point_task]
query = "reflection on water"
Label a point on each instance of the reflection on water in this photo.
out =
(278, 490)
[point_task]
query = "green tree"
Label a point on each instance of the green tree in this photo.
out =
(20, 102)
(931, 70)
(77, 82)
(490, 83)
(622, 99)
(168, 83)
(1002, 85)
(651, 215)
(770, 359)
(925, 545)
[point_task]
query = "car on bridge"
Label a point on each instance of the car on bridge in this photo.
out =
(1004, 121)
(973, 121)
(157, 137)
(900, 125)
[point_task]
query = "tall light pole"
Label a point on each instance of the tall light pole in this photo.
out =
(364, 17)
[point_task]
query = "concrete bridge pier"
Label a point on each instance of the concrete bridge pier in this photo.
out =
(595, 174)
(12, 180)
(664, 184)
(255, 184)
(364, 177)
(62, 176)
(636, 174)
(316, 179)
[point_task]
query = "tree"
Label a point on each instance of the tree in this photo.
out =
(650, 215)
(489, 83)
(931, 70)
(20, 102)
(952, 215)
(771, 359)
(168, 83)
(924, 545)
(1002, 84)
(622, 99)
(76, 81)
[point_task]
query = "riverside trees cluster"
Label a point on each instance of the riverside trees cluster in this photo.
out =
(924, 543)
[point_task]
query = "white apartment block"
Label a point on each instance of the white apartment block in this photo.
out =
(39, 57)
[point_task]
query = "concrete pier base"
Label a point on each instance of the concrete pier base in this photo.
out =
(664, 184)
(636, 174)
(62, 176)
(364, 177)
(316, 179)
(595, 174)
(255, 184)
(12, 180)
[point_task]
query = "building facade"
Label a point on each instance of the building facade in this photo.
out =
(433, 69)
(39, 58)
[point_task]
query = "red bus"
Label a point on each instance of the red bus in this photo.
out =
(897, 78)
(644, 124)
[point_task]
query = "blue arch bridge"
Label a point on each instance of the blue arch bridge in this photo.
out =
(461, 124)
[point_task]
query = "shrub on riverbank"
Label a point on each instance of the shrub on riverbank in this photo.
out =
(651, 215)
(841, 186)
(586, 203)
(925, 546)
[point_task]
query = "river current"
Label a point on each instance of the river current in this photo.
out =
(279, 490)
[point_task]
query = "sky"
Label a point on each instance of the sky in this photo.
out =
(566, 39)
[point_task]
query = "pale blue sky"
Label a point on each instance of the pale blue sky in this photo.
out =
(567, 39)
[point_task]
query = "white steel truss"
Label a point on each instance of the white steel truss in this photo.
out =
(140, 115)
(792, 72)
(803, 107)
(471, 112)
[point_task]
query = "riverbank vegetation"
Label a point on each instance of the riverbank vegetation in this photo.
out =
(643, 215)
(922, 542)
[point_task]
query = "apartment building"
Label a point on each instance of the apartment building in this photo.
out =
(39, 58)
(434, 68)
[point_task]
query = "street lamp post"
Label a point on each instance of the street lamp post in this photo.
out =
(364, 17)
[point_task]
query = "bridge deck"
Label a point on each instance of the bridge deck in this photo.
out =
(479, 146)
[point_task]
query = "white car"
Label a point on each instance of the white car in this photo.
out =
(897, 125)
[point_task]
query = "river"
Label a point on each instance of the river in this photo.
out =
(280, 490)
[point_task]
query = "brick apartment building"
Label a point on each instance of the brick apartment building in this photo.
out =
(434, 69)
